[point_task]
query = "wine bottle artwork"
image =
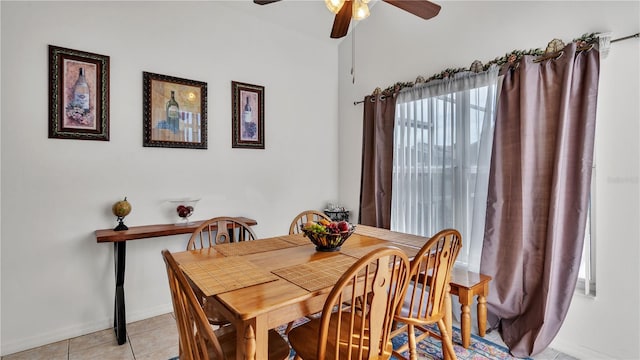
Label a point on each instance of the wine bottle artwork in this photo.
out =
(78, 110)
(173, 113)
(246, 114)
(81, 92)
(249, 127)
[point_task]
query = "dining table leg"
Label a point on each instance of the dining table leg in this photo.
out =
(249, 342)
(465, 296)
(253, 342)
(482, 315)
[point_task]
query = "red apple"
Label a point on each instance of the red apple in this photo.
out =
(343, 226)
(184, 212)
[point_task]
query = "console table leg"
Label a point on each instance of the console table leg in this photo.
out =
(119, 318)
(482, 315)
(465, 296)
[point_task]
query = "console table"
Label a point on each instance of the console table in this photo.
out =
(119, 240)
(466, 285)
(337, 215)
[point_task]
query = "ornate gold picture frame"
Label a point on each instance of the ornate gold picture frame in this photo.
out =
(78, 94)
(247, 104)
(174, 112)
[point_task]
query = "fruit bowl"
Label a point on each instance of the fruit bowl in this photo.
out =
(327, 237)
(184, 209)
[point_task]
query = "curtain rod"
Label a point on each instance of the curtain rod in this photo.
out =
(361, 101)
(636, 35)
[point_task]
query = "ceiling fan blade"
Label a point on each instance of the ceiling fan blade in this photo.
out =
(342, 20)
(264, 2)
(422, 8)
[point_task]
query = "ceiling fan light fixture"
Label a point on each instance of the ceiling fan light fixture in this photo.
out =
(334, 5)
(360, 10)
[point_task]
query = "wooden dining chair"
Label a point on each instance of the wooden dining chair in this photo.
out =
(218, 230)
(424, 303)
(197, 339)
(303, 218)
(348, 329)
(294, 228)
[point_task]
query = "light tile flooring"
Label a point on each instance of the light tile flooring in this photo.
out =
(547, 354)
(153, 339)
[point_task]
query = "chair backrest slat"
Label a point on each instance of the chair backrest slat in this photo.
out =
(303, 218)
(220, 230)
(431, 273)
(360, 307)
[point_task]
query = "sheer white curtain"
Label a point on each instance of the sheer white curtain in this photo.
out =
(442, 150)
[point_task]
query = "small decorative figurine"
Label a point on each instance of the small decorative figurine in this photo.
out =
(121, 209)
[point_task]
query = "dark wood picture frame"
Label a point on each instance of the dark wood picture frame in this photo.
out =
(247, 106)
(78, 94)
(174, 112)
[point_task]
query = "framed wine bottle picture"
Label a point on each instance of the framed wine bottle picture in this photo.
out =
(247, 107)
(174, 112)
(78, 94)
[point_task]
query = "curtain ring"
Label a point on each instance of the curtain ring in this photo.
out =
(549, 56)
(586, 48)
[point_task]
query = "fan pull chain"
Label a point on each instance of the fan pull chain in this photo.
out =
(353, 54)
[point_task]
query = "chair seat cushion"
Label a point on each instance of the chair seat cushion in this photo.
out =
(299, 339)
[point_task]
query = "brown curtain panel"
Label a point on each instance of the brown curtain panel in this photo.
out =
(377, 161)
(539, 187)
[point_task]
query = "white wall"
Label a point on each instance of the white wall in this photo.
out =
(57, 282)
(393, 46)
(55, 193)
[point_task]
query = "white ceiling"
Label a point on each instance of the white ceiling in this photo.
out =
(310, 17)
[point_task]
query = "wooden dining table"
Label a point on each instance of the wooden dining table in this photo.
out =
(263, 284)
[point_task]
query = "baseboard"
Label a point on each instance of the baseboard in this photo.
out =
(78, 330)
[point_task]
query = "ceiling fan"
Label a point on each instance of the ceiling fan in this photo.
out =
(358, 9)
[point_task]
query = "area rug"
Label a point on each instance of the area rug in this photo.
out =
(479, 348)
(430, 348)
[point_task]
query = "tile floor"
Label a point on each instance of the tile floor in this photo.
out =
(152, 339)
(548, 354)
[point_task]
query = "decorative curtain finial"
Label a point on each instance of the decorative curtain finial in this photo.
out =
(476, 66)
(554, 46)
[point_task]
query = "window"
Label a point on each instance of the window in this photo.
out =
(442, 148)
(587, 273)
